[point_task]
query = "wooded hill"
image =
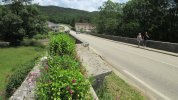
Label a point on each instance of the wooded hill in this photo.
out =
(66, 15)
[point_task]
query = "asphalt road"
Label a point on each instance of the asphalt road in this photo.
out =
(156, 74)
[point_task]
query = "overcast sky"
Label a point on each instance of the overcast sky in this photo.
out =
(88, 5)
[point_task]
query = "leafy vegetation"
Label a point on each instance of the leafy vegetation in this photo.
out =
(12, 60)
(61, 78)
(62, 84)
(19, 19)
(158, 18)
(66, 15)
(32, 42)
(64, 63)
(40, 36)
(60, 45)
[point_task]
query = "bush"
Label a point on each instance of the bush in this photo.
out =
(40, 36)
(65, 63)
(63, 84)
(31, 42)
(61, 78)
(15, 80)
(61, 44)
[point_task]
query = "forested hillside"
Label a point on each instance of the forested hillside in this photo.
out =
(66, 15)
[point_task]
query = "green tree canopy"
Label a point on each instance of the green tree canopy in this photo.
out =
(159, 18)
(108, 17)
(19, 19)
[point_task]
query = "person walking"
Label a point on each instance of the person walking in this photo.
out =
(139, 39)
(145, 38)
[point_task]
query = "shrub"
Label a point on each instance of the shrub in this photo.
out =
(31, 42)
(61, 44)
(63, 85)
(40, 36)
(15, 80)
(61, 79)
(65, 63)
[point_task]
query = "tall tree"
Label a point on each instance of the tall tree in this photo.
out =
(108, 17)
(19, 19)
(159, 18)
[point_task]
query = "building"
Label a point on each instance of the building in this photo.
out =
(54, 27)
(84, 27)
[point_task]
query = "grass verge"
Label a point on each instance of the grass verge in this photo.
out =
(11, 59)
(114, 88)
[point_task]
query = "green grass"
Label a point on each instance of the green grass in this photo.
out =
(12, 58)
(114, 88)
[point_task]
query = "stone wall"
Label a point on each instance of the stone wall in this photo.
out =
(4, 44)
(77, 41)
(167, 46)
(27, 89)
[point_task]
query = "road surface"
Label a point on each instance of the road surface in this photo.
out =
(156, 74)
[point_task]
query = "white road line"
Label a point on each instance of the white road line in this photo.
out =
(146, 85)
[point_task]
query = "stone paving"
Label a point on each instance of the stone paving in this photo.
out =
(93, 63)
(95, 66)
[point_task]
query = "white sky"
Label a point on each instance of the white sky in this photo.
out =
(88, 5)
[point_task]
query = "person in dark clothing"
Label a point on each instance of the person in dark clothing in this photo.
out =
(145, 38)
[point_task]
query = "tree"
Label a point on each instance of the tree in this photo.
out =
(172, 22)
(19, 19)
(108, 17)
(1, 24)
(159, 18)
(72, 23)
(33, 22)
(12, 30)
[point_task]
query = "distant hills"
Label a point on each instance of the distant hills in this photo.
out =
(66, 15)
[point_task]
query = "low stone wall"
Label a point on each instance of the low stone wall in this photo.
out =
(117, 38)
(27, 89)
(4, 44)
(78, 41)
(167, 46)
